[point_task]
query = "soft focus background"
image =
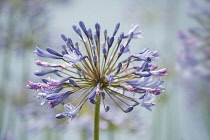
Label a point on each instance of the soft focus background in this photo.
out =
(183, 110)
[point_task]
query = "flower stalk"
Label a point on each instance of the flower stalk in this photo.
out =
(97, 119)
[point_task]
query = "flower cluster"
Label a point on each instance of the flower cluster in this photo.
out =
(194, 64)
(195, 54)
(96, 70)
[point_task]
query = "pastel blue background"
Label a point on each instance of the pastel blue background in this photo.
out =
(176, 117)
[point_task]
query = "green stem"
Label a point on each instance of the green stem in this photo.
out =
(97, 118)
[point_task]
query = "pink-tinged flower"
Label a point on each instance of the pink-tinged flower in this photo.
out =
(98, 90)
(161, 72)
(129, 88)
(32, 85)
(57, 82)
(155, 91)
(46, 64)
(153, 67)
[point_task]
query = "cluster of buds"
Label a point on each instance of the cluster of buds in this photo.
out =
(96, 72)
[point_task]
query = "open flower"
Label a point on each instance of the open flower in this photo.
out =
(100, 70)
(70, 112)
(147, 101)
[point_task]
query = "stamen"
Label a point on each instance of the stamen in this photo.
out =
(115, 101)
(85, 98)
(79, 96)
(120, 99)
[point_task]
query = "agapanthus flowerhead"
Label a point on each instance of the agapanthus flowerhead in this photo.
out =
(98, 69)
(194, 56)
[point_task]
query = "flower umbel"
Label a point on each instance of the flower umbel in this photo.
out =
(96, 71)
(194, 56)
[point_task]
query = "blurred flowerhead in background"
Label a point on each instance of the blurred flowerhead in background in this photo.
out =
(194, 57)
(194, 62)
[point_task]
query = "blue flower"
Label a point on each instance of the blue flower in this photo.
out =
(42, 53)
(148, 84)
(72, 56)
(135, 31)
(147, 101)
(42, 95)
(56, 99)
(92, 97)
(146, 55)
(70, 112)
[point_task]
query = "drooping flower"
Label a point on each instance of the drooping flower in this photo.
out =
(57, 98)
(97, 72)
(70, 112)
(146, 101)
